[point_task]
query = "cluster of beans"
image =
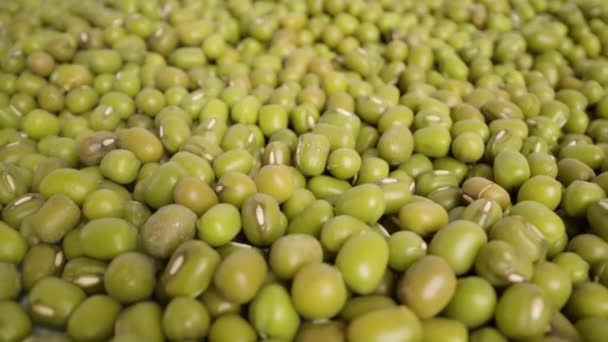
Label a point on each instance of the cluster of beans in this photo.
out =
(312, 170)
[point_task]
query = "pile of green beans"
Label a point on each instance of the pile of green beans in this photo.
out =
(309, 171)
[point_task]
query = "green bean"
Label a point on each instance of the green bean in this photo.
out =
(320, 170)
